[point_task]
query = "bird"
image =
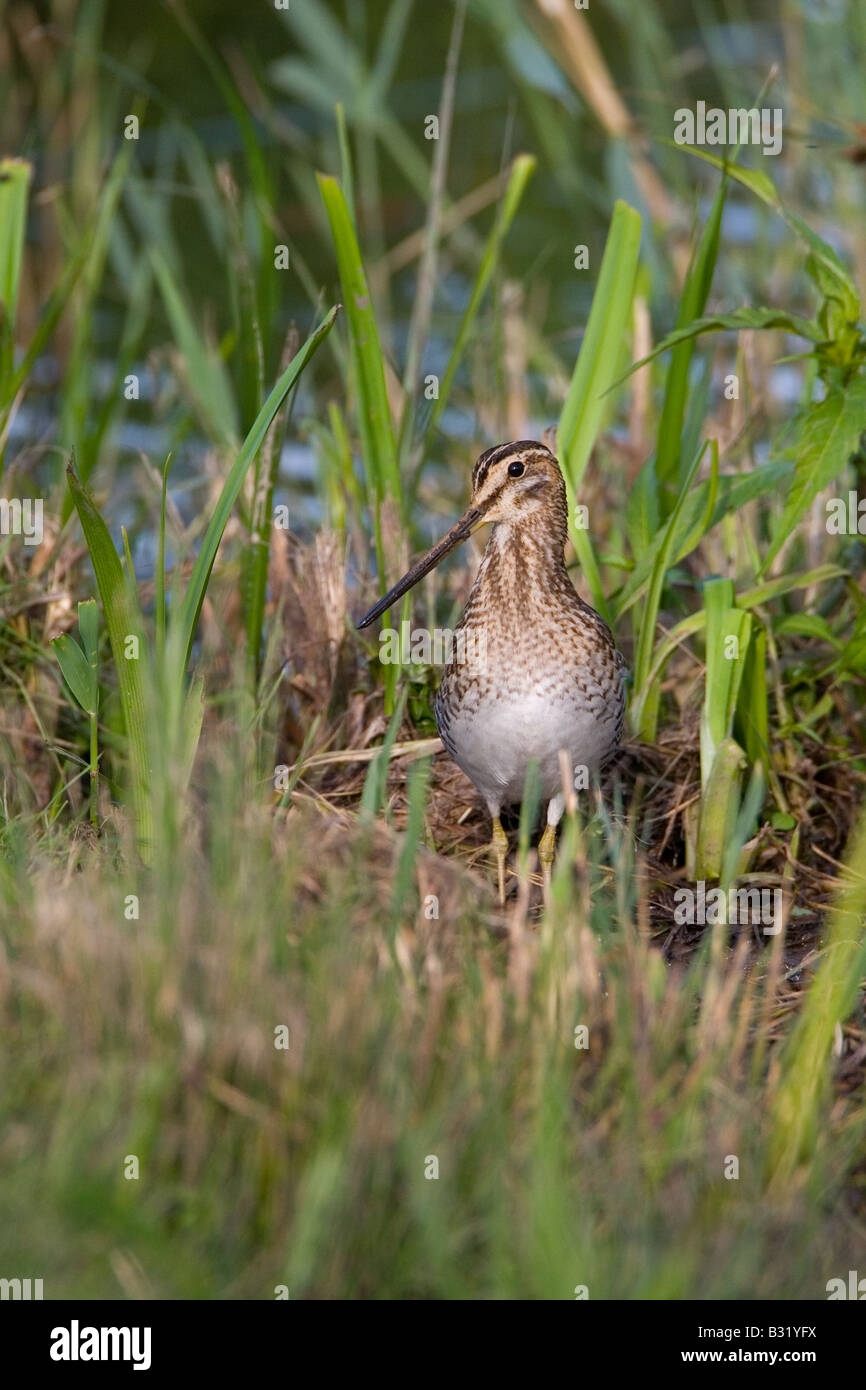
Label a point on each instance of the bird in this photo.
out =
(533, 671)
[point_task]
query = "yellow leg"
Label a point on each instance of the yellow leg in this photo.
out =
(546, 848)
(500, 849)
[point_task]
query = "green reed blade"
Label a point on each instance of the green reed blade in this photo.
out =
(594, 373)
(521, 172)
(126, 634)
(194, 597)
(374, 413)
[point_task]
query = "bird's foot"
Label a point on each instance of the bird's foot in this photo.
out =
(546, 850)
(500, 849)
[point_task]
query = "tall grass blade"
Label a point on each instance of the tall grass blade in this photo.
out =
(208, 381)
(519, 176)
(374, 413)
(14, 185)
(194, 597)
(595, 372)
(373, 795)
(644, 708)
(128, 648)
(801, 1098)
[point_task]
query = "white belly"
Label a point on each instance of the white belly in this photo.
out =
(494, 740)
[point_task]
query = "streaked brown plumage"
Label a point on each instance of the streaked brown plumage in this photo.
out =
(534, 669)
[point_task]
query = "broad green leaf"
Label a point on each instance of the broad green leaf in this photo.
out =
(837, 316)
(825, 436)
(744, 822)
(76, 670)
(751, 598)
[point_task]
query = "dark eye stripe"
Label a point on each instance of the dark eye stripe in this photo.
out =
(487, 459)
(500, 452)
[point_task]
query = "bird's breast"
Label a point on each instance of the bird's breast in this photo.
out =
(495, 722)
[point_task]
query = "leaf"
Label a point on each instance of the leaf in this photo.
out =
(763, 187)
(190, 732)
(753, 719)
(739, 318)
(593, 372)
(669, 445)
(744, 822)
(76, 670)
(642, 710)
(773, 588)
(723, 675)
(807, 625)
(378, 445)
(88, 626)
(825, 437)
(642, 509)
(853, 654)
(734, 491)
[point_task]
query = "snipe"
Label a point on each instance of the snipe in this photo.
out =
(533, 669)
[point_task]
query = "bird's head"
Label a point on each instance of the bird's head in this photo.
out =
(510, 484)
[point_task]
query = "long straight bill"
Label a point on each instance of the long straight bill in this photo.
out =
(459, 532)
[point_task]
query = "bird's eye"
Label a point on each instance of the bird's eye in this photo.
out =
(515, 470)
